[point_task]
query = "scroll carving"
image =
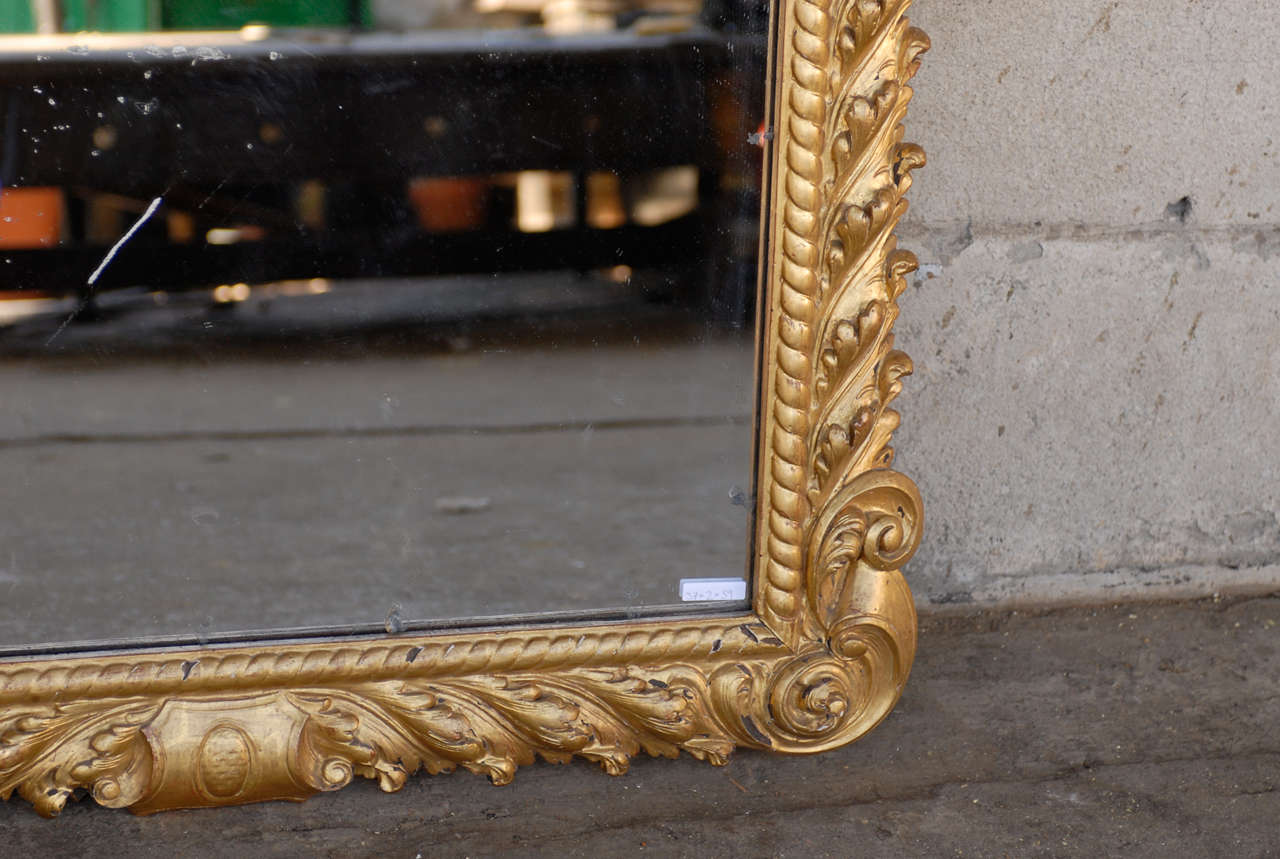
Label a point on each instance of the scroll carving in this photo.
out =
(821, 661)
(839, 276)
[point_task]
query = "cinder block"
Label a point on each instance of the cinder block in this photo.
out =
(1092, 405)
(1098, 113)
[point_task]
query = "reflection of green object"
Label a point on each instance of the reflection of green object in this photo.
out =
(15, 17)
(105, 15)
(135, 15)
(233, 14)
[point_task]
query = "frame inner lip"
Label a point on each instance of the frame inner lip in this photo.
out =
(372, 633)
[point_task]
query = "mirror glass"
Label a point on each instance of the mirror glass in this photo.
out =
(365, 316)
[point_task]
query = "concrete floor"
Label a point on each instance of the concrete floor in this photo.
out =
(1135, 730)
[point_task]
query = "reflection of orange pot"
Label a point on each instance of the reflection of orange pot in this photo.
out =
(30, 217)
(449, 205)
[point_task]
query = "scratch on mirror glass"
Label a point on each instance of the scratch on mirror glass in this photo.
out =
(10, 574)
(211, 193)
(550, 143)
(106, 260)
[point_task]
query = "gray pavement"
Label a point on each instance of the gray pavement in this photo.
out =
(151, 494)
(1135, 730)
(201, 536)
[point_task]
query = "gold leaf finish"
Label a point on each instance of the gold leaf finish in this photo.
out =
(821, 660)
(835, 281)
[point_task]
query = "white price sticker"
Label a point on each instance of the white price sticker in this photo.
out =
(712, 590)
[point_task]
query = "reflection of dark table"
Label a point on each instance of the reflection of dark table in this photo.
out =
(224, 128)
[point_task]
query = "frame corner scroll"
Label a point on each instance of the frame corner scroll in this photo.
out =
(836, 523)
(821, 660)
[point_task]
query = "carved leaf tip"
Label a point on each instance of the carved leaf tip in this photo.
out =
(914, 45)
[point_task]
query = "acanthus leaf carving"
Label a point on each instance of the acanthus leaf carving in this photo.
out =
(861, 170)
(47, 753)
(864, 535)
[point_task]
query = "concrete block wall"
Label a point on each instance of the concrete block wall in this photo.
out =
(1096, 323)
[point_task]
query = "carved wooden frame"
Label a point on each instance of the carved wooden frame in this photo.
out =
(821, 659)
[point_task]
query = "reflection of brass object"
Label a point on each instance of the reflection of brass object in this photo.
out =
(819, 662)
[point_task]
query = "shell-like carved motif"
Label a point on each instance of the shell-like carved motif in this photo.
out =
(223, 762)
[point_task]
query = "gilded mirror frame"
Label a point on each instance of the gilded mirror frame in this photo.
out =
(820, 660)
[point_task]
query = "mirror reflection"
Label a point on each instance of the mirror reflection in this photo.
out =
(321, 317)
